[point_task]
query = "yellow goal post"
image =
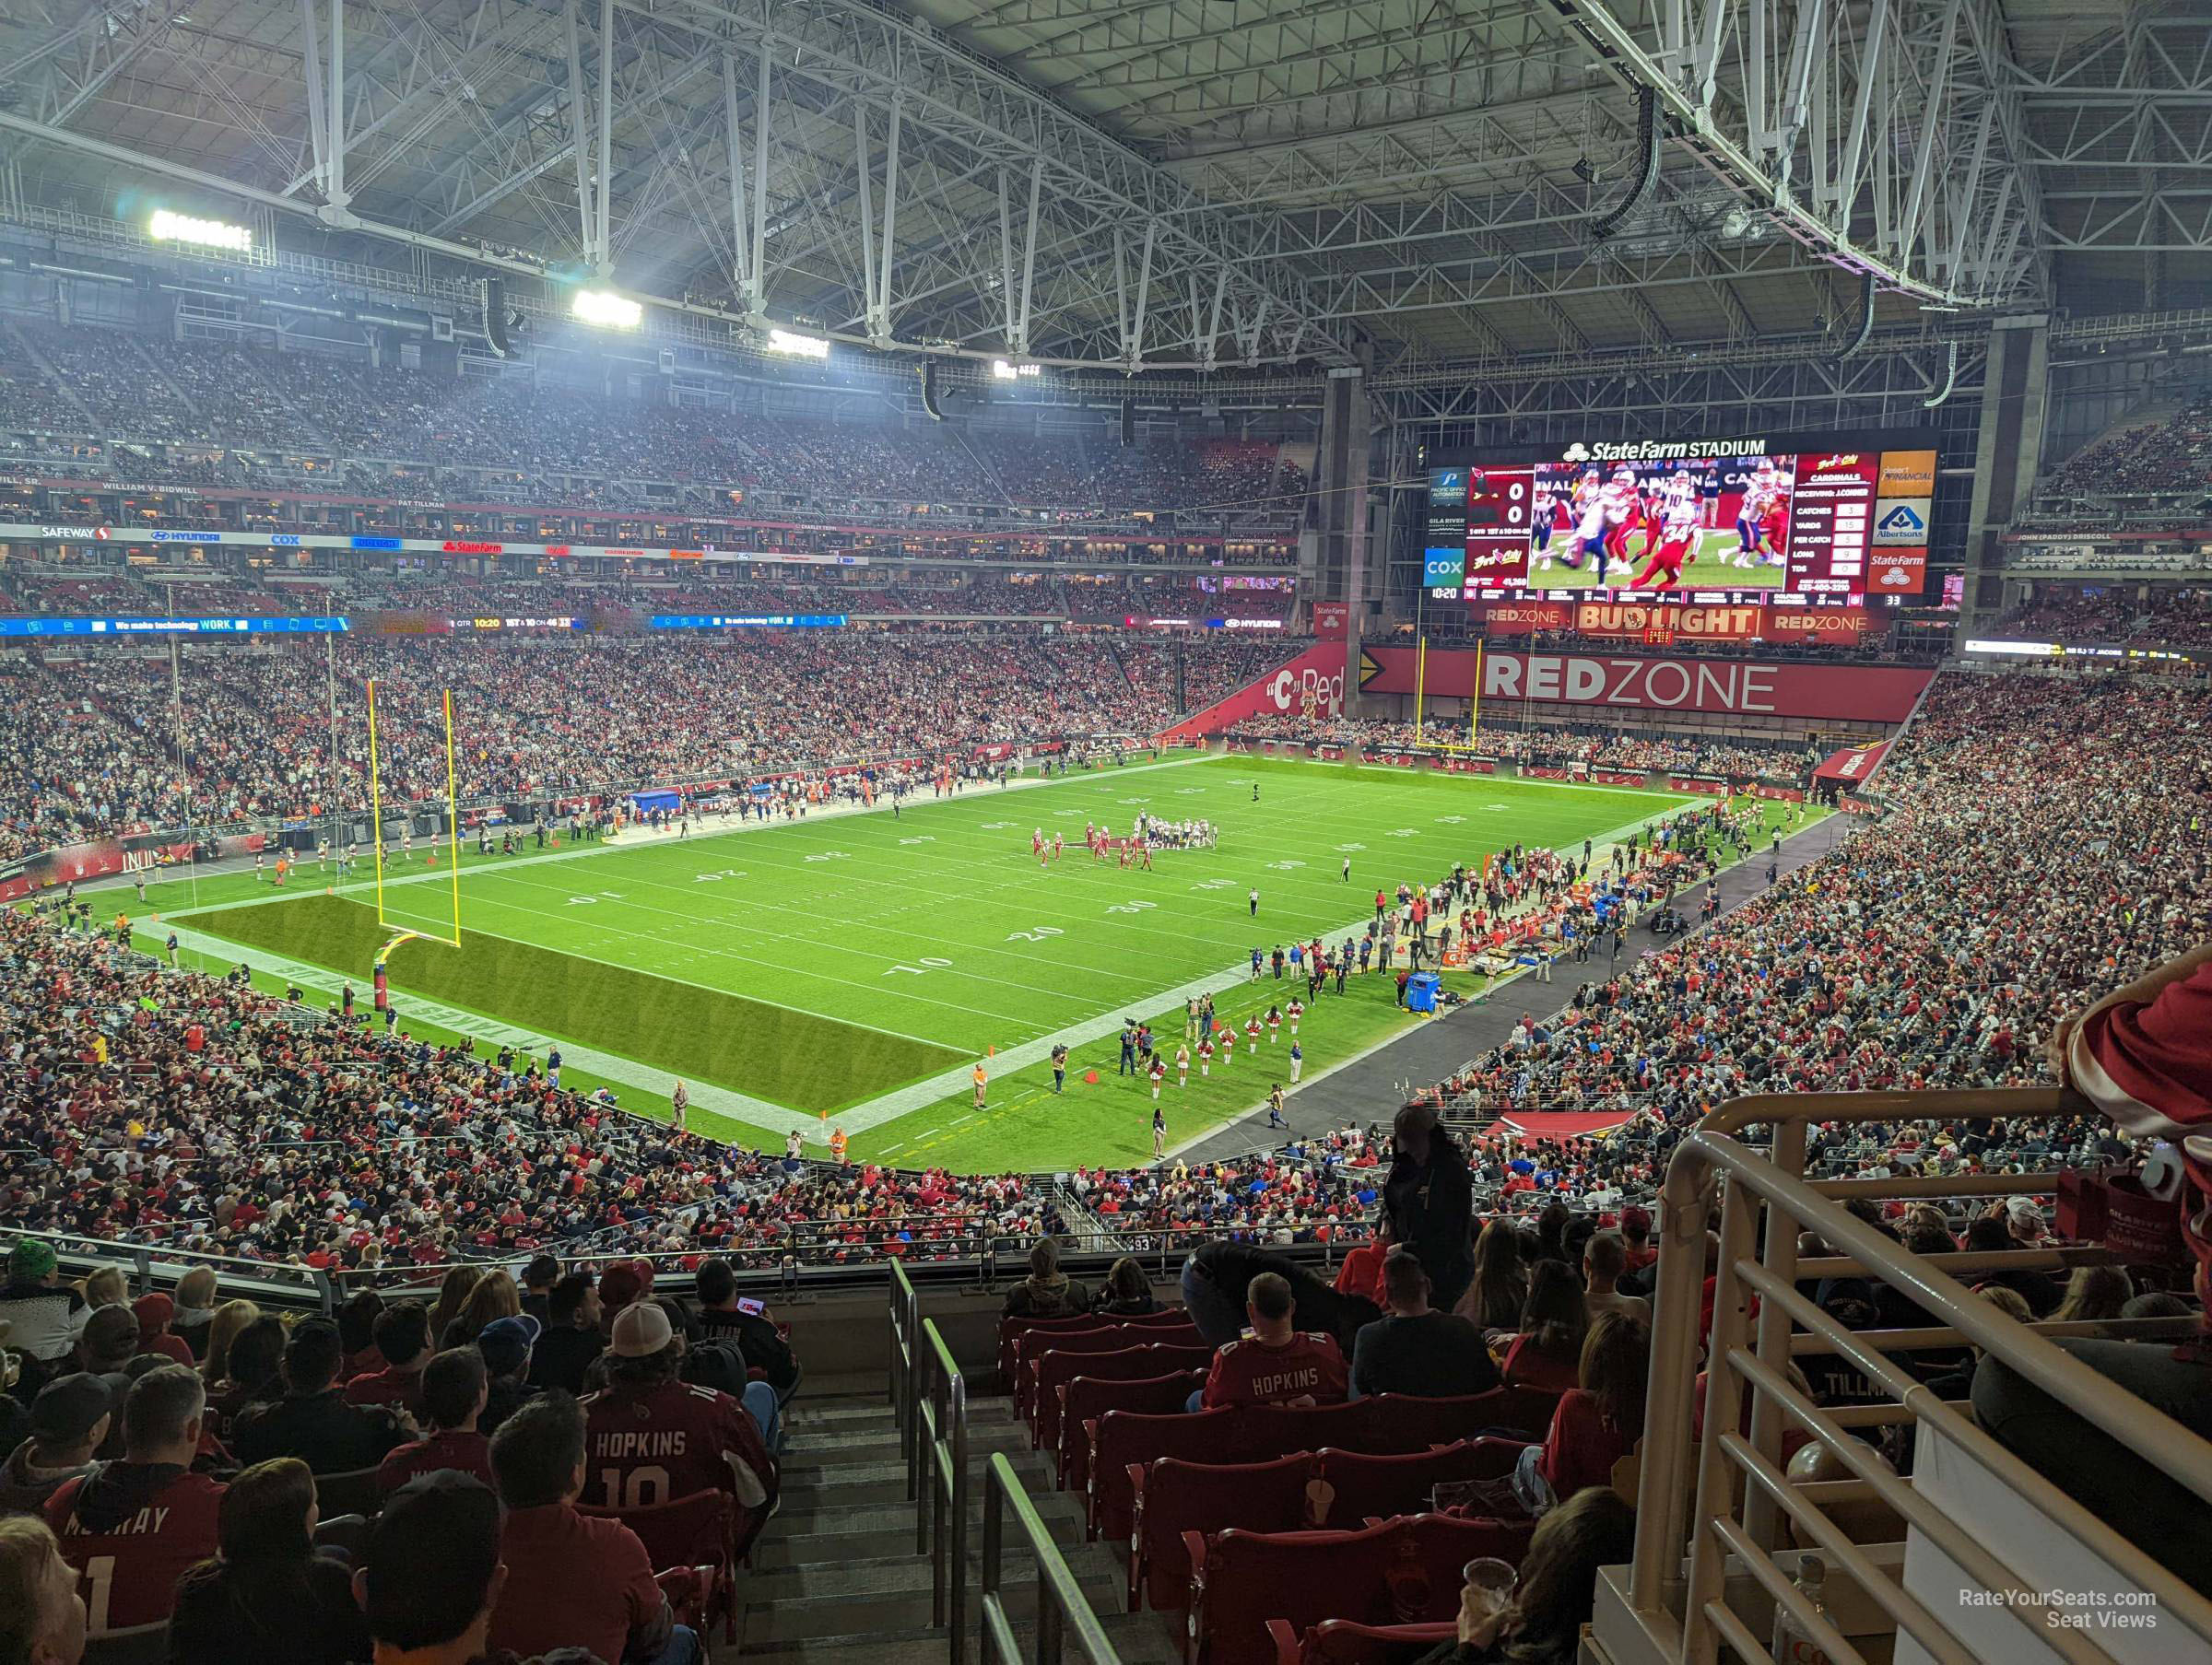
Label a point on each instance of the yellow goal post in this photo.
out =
(413, 927)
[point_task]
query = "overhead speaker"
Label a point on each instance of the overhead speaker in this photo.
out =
(494, 294)
(1866, 328)
(1647, 173)
(1128, 421)
(929, 391)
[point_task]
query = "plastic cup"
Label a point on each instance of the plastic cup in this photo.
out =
(1491, 1582)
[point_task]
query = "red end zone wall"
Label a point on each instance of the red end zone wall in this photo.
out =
(1281, 693)
(1721, 692)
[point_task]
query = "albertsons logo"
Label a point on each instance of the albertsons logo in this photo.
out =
(1903, 518)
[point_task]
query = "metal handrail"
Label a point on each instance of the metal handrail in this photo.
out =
(1061, 1605)
(941, 1514)
(1721, 1535)
(905, 1306)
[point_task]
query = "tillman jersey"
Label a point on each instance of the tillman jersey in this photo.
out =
(129, 1529)
(1308, 1371)
(649, 1444)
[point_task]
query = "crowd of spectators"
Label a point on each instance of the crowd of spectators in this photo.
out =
(211, 413)
(1547, 747)
(93, 741)
(2172, 454)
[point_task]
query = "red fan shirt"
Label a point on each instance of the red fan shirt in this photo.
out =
(129, 1529)
(655, 1444)
(1306, 1370)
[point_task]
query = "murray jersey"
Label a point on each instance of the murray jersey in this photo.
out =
(129, 1529)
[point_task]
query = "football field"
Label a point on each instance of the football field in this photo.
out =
(847, 970)
(1713, 568)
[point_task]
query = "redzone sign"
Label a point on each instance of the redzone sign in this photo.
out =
(1872, 693)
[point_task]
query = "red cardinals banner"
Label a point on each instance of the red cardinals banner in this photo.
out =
(1870, 693)
(1314, 679)
(1856, 764)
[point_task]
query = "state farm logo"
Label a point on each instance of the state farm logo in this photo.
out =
(1577, 452)
(1897, 578)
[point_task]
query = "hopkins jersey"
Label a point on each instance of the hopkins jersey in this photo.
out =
(650, 1445)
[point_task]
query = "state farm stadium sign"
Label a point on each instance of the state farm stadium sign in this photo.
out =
(1660, 450)
(1871, 693)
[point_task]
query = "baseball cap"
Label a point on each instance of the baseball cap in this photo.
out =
(430, 1560)
(1634, 1218)
(111, 1334)
(641, 1330)
(619, 1285)
(30, 1259)
(154, 1311)
(67, 1407)
(506, 1343)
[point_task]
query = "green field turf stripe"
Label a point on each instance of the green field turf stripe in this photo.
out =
(789, 1057)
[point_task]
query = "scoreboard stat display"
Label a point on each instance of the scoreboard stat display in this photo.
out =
(1829, 518)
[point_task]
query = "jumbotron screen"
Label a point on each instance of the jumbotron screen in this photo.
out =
(1827, 519)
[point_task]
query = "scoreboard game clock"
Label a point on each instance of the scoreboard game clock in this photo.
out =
(1811, 520)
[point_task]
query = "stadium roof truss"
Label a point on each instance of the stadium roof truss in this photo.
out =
(1162, 183)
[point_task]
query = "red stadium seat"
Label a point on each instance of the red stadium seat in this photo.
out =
(1126, 1438)
(1029, 1350)
(1127, 1363)
(1009, 1329)
(1408, 1423)
(1088, 1398)
(694, 1531)
(1277, 1430)
(1398, 1572)
(1174, 1497)
(1342, 1642)
(1351, 1486)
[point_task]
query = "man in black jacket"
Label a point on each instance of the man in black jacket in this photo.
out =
(1430, 1200)
(1414, 1349)
(724, 1316)
(1216, 1278)
(312, 1421)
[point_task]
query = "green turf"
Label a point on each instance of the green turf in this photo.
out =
(775, 1051)
(814, 964)
(1714, 566)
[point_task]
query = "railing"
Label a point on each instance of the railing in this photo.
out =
(937, 1480)
(906, 1326)
(1729, 1515)
(1061, 1605)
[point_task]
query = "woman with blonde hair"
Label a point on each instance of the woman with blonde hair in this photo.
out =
(453, 1294)
(2094, 1294)
(222, 1329)
(495, 1296)
(107, 1286)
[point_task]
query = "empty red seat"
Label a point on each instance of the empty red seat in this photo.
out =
(1348, 1487)
(1174, 1497)
(1404, 1571)
(1029, 1350)
(1088, 1398)
(1010, 1328)
(1126, 1438)
(1406, 1423)
(1278, 1430)
(1342, 1642)
(1127, 1364)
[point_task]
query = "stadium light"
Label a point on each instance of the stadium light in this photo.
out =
(1001, 370)
(798, 346)
(166, 226)
(605, 308)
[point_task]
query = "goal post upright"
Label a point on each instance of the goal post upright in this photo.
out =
(453, 819)
(376, 807)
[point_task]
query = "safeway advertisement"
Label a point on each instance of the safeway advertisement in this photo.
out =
(1313, 680)
(1873, 693)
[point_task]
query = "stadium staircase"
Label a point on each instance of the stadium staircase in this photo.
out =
(983, 464)
(23, 343)
(837, 1578)
(152, 366)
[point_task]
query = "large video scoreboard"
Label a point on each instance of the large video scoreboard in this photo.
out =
(1823, 520)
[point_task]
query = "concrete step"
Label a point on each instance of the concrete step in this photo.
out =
(1139, 1639)
(834, 1512)
(906, 1573)
(853, 1444)
(849, 1609)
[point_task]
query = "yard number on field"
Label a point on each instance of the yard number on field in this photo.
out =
(826, 855)
(612, 895)
(709, 878)
(929, 963)
(1036, 934)
(1131, 907)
